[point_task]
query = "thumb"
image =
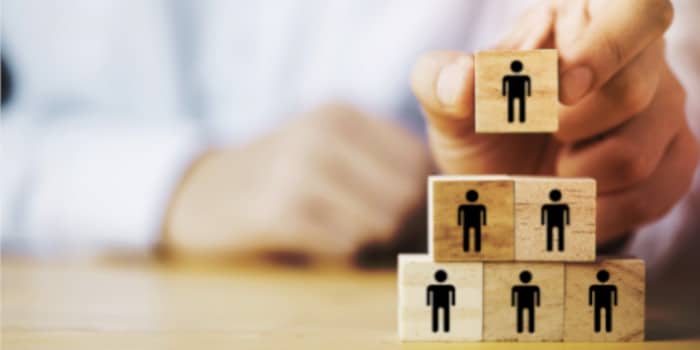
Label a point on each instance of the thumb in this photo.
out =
(443, 82)
(616, 32)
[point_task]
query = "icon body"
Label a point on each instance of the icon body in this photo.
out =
(602, 297)
(471, 217)
(555, 215)
(525, 297)
(441, 297)
(518, 87)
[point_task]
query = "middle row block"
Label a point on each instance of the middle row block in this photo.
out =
(504, 218)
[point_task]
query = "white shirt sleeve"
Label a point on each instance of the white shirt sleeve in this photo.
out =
(85, 186)
(96, 133)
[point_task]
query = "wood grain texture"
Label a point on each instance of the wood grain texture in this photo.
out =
(416, 273)
(491, 107)
(447, 193)
(139, 305)
(531, 194)
(500, 316)
(628, 275)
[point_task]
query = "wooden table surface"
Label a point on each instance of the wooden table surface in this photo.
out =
(49, 305)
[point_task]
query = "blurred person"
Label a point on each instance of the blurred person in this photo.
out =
(216, 128)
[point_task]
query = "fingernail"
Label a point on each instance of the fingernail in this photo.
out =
(452, 81)
(576, 83)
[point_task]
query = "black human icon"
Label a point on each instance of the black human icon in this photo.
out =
(471, 217)
(441, 297)
(555, 215)
(515, 86)
(525, 297)
(602, 297)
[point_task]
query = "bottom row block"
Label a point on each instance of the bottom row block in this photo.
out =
(520, 301)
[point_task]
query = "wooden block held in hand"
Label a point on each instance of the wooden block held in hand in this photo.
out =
(617, 285)
(516, 91)
(546, 206)
(523, 301)
(470, 218)
(439, 301)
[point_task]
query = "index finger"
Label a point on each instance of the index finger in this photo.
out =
(615, 33)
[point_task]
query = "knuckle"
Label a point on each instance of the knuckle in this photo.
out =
(316, 138)
(310, 141)
(313, 209)
(677, 91)
(662, 12)
(289, 194)
(614, 50)
(682, 96)
(336, 119)
(636, 96)
(285, 197)
(297, 206)
(628, 164)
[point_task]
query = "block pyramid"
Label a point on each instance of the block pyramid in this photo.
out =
(513, 258)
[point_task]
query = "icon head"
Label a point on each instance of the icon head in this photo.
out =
(555, 195)
(516, 66)
(525, 276)
(440, 276)
(603, 276)
(472, 195)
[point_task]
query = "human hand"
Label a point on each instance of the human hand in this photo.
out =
(622, 121)
(322, 186)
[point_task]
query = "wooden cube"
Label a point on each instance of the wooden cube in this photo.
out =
(470, 218)
(605, 301)
(516, 91)
(523, 301)
(555, 219)
(439, 301)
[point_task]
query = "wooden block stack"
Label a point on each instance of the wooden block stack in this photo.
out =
(513, 258)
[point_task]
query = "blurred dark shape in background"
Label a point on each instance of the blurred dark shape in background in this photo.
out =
(6, 82)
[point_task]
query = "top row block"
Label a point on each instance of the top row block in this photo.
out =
(503, 218)
(516, 91)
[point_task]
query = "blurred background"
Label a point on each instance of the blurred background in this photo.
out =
(107, 104)
(281, 129)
